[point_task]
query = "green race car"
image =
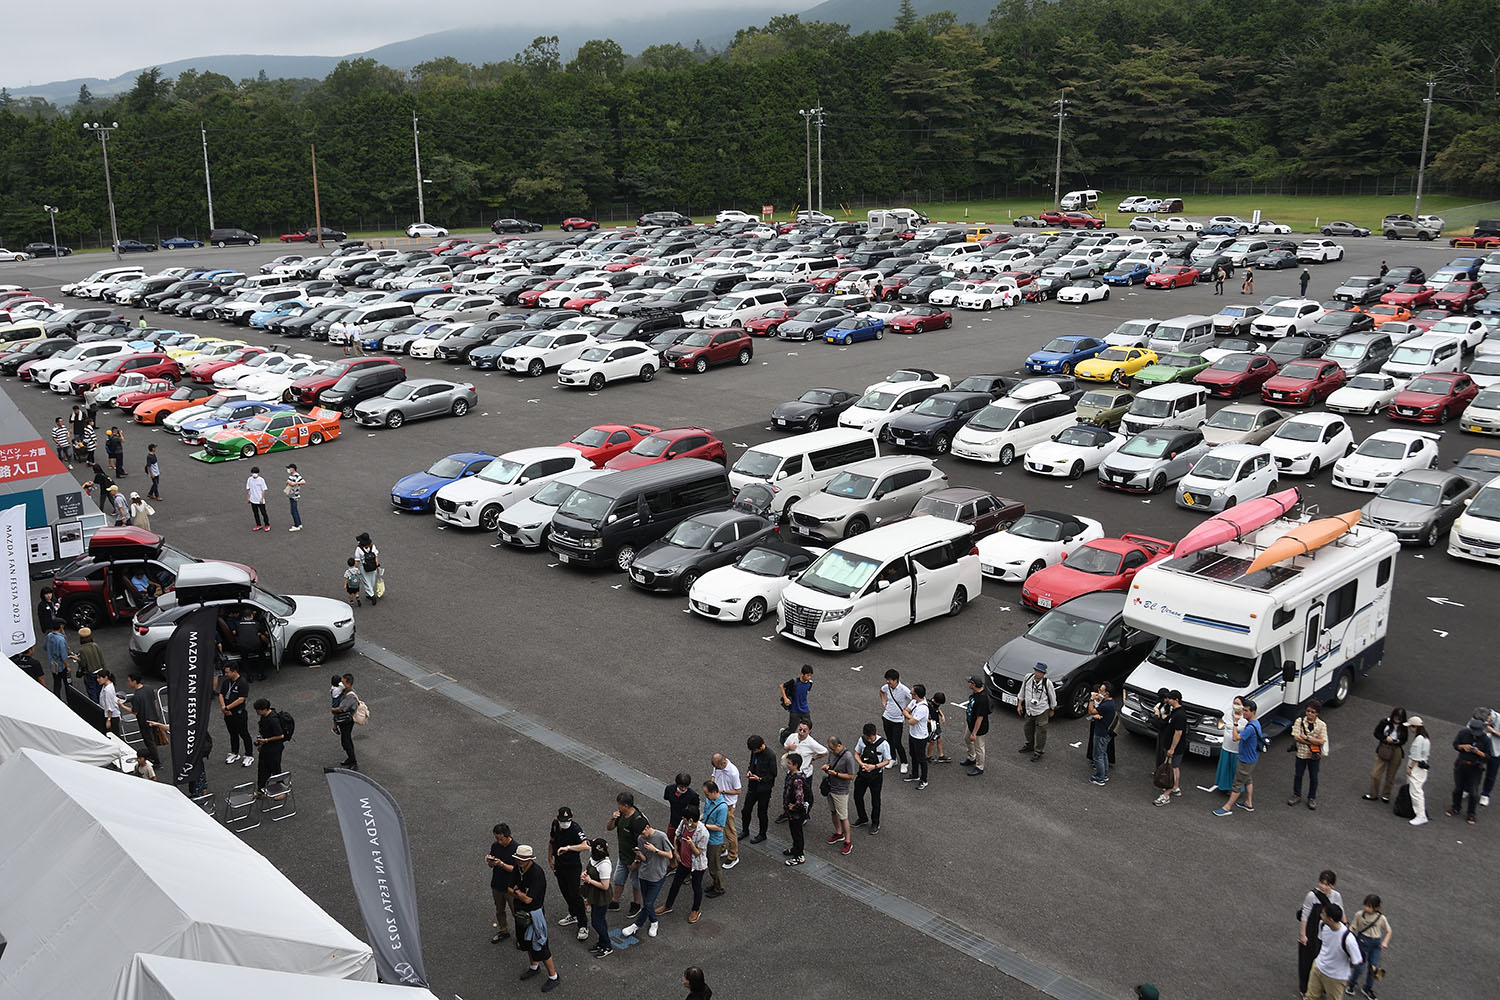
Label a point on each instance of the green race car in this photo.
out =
(1171, 368)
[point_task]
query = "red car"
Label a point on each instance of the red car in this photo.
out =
(702, 348)
(481, 248)
(1412, 296)
(1433, 398)
(663, 446)
(765, 326)
(529, 297)
(1458, 296)
(293, 237)
(1070, 219)
(587, 299)
(633, 261)
(448, 244)
(603, 442)
(1021, 278)
(920, 319)
(824, 281)
(1100, 565)
(1302, 383)
(578, 222)
(1173, 276)
(994, 239)
(158, 389)
(1476, 242)
(204, 371)
(153, 366)
(1235, 375)
(307, 390)
(1424, 319)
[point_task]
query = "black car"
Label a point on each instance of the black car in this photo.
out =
(34, 351)
(487, 357)
(135, 246)
(1340, 322)
(663, 219)
(1289, 349)
(815, 408)
(47, 250)
(1274, 260)
(1043, 288)
(931, 424)
(328, 235)
(995, 385)
(515, 226)
(1401, 274)
(672, 564)
(674, 300)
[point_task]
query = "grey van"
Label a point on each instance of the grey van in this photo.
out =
(1360, 352)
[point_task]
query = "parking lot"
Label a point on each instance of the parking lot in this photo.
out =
(1029, 858)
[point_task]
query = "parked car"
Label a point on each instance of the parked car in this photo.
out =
(1433, 397)
(1242, 423)
(1073, 451)
(1420, 505)
(1230, 474)
(1153, 459)
(415, 492)
(415, 399)
(1038, 539)
(866, 495)
(1344, 229)
(703, 542)
(747, 590)
(1308, 442)
(666, 445)
(700, 350)
(478, 501)
(1303, 383)
(1098, 566)
(1236, 375)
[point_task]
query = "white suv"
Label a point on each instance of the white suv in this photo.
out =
(1288, 318)
(546, 350)
(478, 501)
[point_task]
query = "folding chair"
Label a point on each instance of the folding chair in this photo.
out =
(239, 808)
(278, 800)
(204, 802)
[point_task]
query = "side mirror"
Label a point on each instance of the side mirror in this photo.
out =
(882, 585)
(524, 480)
(1288, 671)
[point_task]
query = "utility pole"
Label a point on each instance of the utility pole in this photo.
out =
(317, 205)
(807, 121)
(416, 146)
(1422, 163)
(52, 210)
(207, 183)
(103, 131)
(819, 113)
(1062, 104)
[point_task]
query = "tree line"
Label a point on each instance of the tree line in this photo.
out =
(1217, 89)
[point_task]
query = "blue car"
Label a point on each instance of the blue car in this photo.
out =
(289, 307)
(135, 246)
(1127, 274)
(415, 492)
(1063, 353)
(1488, 306)
(1220, 229)
(195, 429)
(860, 326)
(180, 243)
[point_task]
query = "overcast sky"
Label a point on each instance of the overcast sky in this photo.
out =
(104, 38)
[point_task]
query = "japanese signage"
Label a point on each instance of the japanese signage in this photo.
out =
(28, 459)
(69, 504)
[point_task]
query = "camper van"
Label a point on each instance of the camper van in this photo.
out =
(1079, 201)
(1305, 627)
(900, 219)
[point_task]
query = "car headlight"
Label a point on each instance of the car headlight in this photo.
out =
(343, 622)
(466, 503)
(1411, 524)
(833, 616)
(531, 527)
(732, 600)
(1302, 458)
(421, 493)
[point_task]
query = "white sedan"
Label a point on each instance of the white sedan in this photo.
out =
(1383, 456)
(1177, 224)
(609, 363)
(549, 349)
(1309, 442)
(425, 231)
(1037, 540)
(1365, 394)
(1073, 451)
(1144, 224)
(745, 591)
(1084, 290)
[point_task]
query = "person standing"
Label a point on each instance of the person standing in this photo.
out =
(269, 743)
(30, 667)
(1247, 287)
(809, 751)
(343, 722)
(142, 705)
(1390, 741)
(727, 777)
(1218, 279)
(794, 805)
(678, 796)
(1102, 715)
(1309, 734)
(110, 702)
(1037, 703)
(501, 859)
(1471, 745)
(794, 692)
(653, 850)
(918, 715)
(937, 715)
(153, 469)
(1309, 918)
(140, 512)
(353, 580)
(61, 442)
(48, 610)
(627, 822)
(1249, 734)
(119, 505)
(530, 892)
(234, 695)
(715, 819)
(293, 489)
(368, 558)
(692, 860)
(1492, 767)
(760, 775)
(90, 439)
(1383, 269)
(1418, 763)
(255, 495)
(356, 338)
(1229, 750)
(114, 448)
(894, 697)
(1302, 281)
(59, 658)
(337, 333)
(594, 879)
(976, 724)
(1338, 954)
(91, 662)
(1372, 932)
(1172, 744)
(841, 771)
(874, 759)
(566, 847)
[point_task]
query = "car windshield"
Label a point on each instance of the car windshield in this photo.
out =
(1062, 346)
(1484, 366)
(252, 424)
(1080, 437)
(1090, 559)
(585, 506)
(1232, 420)
(1412, 355)
(1461, 287)
(1135, 328)
(1040, 529)
(1115, 354)
(1104, 400)
(446, 468)
(1180, 360)
(1296, 430)
(995, 417)
(937, 507)
(816, 397)
(502, 471)
(760, 464)
(1283, 310)
(1345, 349)
(1413, 491)
(878, 399)
(1486, 505)
(1216, 468)
(1372, 383)
(591, 438)
(553, 493)
(1202, 664)
(1145, 446)
(936, 407)
(1067, 631)
(850, 485)
(764, 562)
(1233, 363)
(404, 391)
(1301, 370)
(1144, 406)
(1433, 386)
(839, 573)
(1489, 399)
(690, 534)
(594, 354)
(651, 447)
(1376, 447)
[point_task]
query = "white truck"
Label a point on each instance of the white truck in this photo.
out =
(1302, 628)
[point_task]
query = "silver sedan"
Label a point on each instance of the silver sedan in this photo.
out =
(417, 398)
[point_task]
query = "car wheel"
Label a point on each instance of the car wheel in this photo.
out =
(84, 614)
(1007, 455)
(221, 244)
(315, 438)
(1327, 231)
(807, 336)
(1431, 537)
(1035, 568)
(1443, 416)
(248, 451)
(312, 648)
(880, 334)
(460, 407)
(940, 444)
(861, 635)
(536, 368)
(1075, 698)
(856, 526)
(745, 356)
(1230, 502)
(395, 419)
(596, 382)
(700, 366)
(1076, 472)
(1315, 468)
(1118, 376)
(647, 373)
(624, 557)
(1341, 688)
(960, 600)
(736, 324)
(689, 578)
(755, 611)
(347, 412)
(1106, 295)
(489, 518)
(1159, 483)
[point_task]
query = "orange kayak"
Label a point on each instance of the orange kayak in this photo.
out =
(1303, 539)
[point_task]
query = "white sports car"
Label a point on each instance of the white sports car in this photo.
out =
(1038, 539)
(1073, 451)
(1268, 228)
(745, 591)
(1383, 456)
(1367, 394)
(425, 231)
(1084, 290)
(272, 383)
(988, 295)
(1177, 224)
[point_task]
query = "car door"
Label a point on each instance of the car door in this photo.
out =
(687, 445)
(1454, 493)
(895, 597)
(428, 401)
(722, 347)
(1181, 456)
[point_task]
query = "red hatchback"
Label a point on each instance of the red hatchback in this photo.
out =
(1303, 383)
(663, 446)
(204, 371)
(1412, 295)
(529, 297)
(154, 366)
(1458, 296)
(1103, 564)
(702, 348)
(603, 442)
(1433, 398)
(1235, 375)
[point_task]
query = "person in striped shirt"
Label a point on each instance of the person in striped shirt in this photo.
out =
(61, 442)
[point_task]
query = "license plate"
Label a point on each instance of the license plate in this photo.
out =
(1201, 751)
(799, 630)
(1008, 698)
(507, 538)
(780, 422)
(1278, 395)
(1187, 498)
(564, 557)
(1044, 602)
(637, 575)
(1476, 428)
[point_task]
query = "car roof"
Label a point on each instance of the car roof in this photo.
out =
(904, 535)
(1435, 476)
(469, 456)
(1072, 520)
(960, 395)
(1403, 434)
(412, 382)
(1240, 451)
(1321, 419)
(1247, 408)
(961, 494)
(673, 433)
(889, 463)
(537, 454)
(657, 474)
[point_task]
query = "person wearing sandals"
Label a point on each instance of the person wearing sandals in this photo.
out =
(1372, 932)
(1468, 767)
(1390, 743)
(1418, 756)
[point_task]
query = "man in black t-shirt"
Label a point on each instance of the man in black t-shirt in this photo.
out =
(1173, 744)
(271, 742)
(501, 858)
(29, 664)
(566, 846)
(530, 892)
(142, 705)
(234, 701)
(976, 724)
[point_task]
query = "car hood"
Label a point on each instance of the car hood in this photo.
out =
(1369, 466)
(1217, 435)
(1006, 547)
(796, 408)
(1131, 463)
(1282, 383)
(625, 460)
(662, 556)
(1218, 376)
(1396, 510)
(1406, 397)
(717, 585)
(316, 610)
(918, 422)
(473, 489)
(378, 405)
(419, 483)
(1041, 357)
(1017, 658)
(822, 504)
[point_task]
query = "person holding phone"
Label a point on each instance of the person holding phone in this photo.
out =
(653, 851)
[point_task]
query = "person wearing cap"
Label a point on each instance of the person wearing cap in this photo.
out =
(140, 512)
(1147, 992)
(530, 892)
(1418, 763)
(566, 849)
(1037, 702)
(1472, 747)
(121, 506)
(293, 490)
(90, 662)
(976, 724)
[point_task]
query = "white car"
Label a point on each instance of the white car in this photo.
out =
(426, 346)
(873, 412)
(1476, 533)
(1177, 224)
(1234, 222)
(988, 294)
(735, 215)
(609, 363)
(75, 357)
(545, 350)
(1228, 475)
(272, 382)
(1144, 224)
(1037, 540)
(1084, 290)
(1288, 318)
(1472, 329)
(466, 309)
(1482, 416)
(1135, 203)
(13, 255)
(1485, 368)
(1383, 456)
(479, 500)
(913, 375)
(1309, 442)
(526, 524)
(609, 306)
(105, 395)
(948, 294)
(425, 231)
(1319, 251)
(570, 289)
(1365, 394)
(1132, 333)
(62, 382)
(230, 378)
(1073, 451)
(1268, 228)
(745, 591)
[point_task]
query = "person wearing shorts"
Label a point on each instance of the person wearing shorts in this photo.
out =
(841, 771)
(1249, 734)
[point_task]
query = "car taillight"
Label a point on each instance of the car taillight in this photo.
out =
(974, 550)
(142, 630)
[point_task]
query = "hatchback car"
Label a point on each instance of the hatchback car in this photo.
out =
(1303, 383)
(1433, 398)
(1419, 506)
(665, 445)
(1153, 459)
(1236, 375)
(415, 399)
(1309, 442)
(1226, 476)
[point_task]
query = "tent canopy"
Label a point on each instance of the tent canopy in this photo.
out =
(154, 977)
(98, 866)
(32, 716)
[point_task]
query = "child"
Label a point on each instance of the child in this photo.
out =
(143, 768)
(935, 743)
(336, 689)
(352, 579)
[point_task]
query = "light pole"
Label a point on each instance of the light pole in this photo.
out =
(207, 184)
(1422, 163)
(52, 211)
(1062, 103)
(103, 131)
(814, 116)
(807, 117)
(416, 146)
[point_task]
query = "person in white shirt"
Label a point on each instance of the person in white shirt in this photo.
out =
(1337, 957)
(894, 697)
(918, 715)
(356, 335)
(337, 334)
(110, 702)
(1418, 757)
(255, 495)
(727, 777)
(810, 750)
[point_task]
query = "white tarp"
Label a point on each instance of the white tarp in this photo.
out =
(97, 866)
(154, 977)
(32, 716)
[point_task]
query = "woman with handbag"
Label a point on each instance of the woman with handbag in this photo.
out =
(1390, 739)
(1372, 932)
(1417, 764)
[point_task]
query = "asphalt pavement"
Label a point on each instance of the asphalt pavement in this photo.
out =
(1091, 882)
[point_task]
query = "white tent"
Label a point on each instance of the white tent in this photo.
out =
(154, 977)
(98, 866)
(32, 716)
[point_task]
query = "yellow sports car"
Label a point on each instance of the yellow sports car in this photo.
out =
(1115, 364)
(192, 347)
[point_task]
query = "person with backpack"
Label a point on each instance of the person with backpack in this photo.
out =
(343, 722)
(793, 693)
(1338, 955)
(274, 729)
(367, 557)
(1372, 932)
(114, 448)
(1309, 917)
(1251, 737)
(874, 758)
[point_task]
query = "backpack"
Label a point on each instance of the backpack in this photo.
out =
(288, 724)
(361, 712)
(369, 563)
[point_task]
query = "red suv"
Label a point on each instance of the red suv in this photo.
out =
(153, 366)
(698, 350)
(1070, 219)
(1458, 296)
(663, 446)
(308, 390)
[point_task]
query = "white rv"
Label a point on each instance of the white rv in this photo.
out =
(1302, 628)
(1083, 200)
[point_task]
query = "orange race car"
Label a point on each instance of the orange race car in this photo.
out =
(274, 431)
(154, 411)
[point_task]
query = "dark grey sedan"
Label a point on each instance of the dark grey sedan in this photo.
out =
(417, 398)
(1419, 505)
(812, 323)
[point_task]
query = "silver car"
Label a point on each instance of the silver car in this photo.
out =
(1152, 459)
(417, 398)
(1242, 423)
(865, 495)
(1419, 505)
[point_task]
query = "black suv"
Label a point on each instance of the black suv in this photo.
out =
(664, 219)
(233, 238)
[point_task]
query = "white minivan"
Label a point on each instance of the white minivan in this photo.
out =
(949, 252)
(800, 466)
(739, 308)
(1183, 335)
(1430, 352)
(1007, 427)
(1173, 405)
(879, 581)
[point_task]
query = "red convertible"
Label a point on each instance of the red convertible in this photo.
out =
(920, 319)
(1173, 276)
(765, 325)
(204, 371)
(1100, 565)
(602, 443)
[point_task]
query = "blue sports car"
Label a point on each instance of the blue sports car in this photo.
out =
(415, 492)
(1063, 353)
(860, 326)
(180, 243)
(1127, 274)
(290, 307)
(196, 429)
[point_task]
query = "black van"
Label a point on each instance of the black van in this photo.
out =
(361, 384)
(233, 238)
(607, 520)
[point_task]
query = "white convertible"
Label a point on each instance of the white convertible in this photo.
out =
(1073, 451)
(745, 591)
(1038, 539)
